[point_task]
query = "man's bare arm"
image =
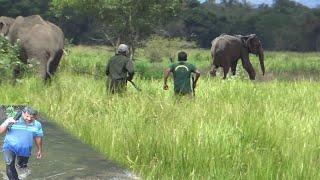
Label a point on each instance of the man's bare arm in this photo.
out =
(197, 75)
(165, 78)
(38, 142)
(5, 124)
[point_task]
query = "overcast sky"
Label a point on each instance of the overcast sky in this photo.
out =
(309, 3)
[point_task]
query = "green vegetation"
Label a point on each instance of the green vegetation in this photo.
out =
(9, 61)
(284, 25)
(233, 129)
(9, 58)
(282, 66)
(8, 53)
(158, 48)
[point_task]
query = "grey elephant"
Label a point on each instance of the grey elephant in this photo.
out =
(226, 50)
(40, 40)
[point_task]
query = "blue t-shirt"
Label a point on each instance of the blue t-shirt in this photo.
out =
(19, 137)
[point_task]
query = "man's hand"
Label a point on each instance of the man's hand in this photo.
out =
(165, 87)
(8, 122)
(39, 154)
(5, 125)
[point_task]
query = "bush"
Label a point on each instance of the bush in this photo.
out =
(158, 48)
(149, 71)
(9, 60)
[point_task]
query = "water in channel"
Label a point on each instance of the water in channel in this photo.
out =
(65, 157)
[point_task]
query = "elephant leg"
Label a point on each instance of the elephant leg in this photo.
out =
(43, 58)
(234, 67)
(213, 71)
(225, 71)
(16, 73)
(248, 67)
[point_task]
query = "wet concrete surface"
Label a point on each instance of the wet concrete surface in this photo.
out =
(65, 157)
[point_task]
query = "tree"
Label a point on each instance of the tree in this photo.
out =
(23, 7)
(200, 25)
(128, 21)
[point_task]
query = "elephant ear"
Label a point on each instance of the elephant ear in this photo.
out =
(249, 42)
(1, 26)
(243, 39)
(3, 29)
(5, 24)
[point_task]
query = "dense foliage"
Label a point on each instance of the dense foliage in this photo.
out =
(286, 25)
(23, 7)
(11, 68)
(9, 58)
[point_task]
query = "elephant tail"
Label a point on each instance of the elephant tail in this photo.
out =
(53, 62)
(48, 73)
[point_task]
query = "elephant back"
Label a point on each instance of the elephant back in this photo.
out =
(57, 33)
(6, 20)
(223, 42)
(37, 33)
(22, 25)
(225, 37)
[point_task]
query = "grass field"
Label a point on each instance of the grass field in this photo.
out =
(233, 129)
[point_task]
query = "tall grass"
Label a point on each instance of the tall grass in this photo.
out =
(282, 66)
(233, 129)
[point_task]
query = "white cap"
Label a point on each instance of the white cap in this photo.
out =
(123, 48)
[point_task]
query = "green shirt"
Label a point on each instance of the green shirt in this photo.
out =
(181, 76)
(118, 67)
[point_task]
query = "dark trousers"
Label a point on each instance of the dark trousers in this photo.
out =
(10, 158)
(116, 85)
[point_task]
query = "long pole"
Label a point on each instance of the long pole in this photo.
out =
(193, 87)
(84, 72)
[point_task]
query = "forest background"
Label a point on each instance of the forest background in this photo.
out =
(284, 25)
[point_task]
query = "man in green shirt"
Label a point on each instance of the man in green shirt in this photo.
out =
(182, 72)
(119, 70)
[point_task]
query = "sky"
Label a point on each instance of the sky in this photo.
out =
(309, 3)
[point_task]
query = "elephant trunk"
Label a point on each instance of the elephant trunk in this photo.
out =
(261, 59)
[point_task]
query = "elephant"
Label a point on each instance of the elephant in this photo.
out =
(40, 40)
(226, 50)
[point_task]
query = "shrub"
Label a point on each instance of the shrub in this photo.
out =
(158, 48)
(149, 71)
(9, 60)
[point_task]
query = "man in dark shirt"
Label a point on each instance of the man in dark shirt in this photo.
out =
(182, 72)
(119, 70)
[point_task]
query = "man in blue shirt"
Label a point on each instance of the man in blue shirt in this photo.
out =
(18, 141)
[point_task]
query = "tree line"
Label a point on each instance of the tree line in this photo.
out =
(284, 25)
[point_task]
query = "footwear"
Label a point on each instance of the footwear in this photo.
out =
(23, 172)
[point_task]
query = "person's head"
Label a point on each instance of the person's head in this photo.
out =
(123, 49)
(182, 56)
(29, 114)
